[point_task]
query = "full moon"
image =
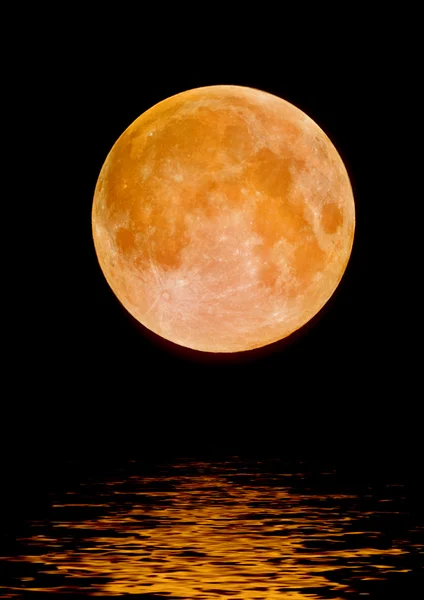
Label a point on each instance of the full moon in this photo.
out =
(223, 218)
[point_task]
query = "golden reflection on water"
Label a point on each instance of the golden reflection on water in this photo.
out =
(205, 531)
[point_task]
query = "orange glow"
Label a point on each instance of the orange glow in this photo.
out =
(223, 218)
(208, 536)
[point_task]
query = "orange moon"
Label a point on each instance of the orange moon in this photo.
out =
(223, 218)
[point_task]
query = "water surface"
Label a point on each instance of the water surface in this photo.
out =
(235, 528)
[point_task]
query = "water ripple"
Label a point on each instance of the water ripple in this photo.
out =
(211, 530)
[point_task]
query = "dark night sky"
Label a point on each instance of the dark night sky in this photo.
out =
(92, 382)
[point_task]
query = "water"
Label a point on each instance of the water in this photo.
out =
(234, 528)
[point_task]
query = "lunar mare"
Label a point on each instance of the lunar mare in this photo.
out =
(223, 218)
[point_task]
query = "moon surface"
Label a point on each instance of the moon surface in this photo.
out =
(223, 218)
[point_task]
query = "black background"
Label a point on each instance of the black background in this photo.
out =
(86, 380)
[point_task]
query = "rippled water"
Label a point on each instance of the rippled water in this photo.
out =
(237, 528)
